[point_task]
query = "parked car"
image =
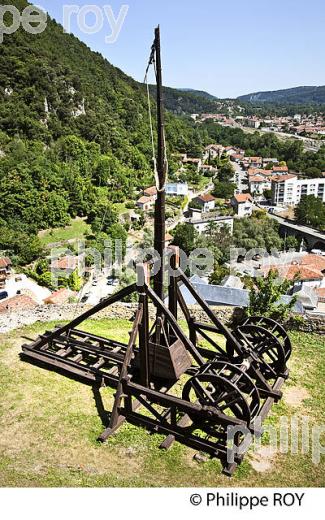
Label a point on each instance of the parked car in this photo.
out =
(85, 297)
(112, 281)
(3, 295)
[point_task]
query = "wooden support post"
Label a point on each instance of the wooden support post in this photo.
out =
(192, 330)
(172, 288)
(142, 284)
(160, 226)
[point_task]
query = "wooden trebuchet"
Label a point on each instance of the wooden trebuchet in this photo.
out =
(228, 379)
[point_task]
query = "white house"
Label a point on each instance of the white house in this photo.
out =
(242, 204)
(254, 162)
(270, 160)
(146, 203)
(259, 183)
(207, 202)
(177, 189)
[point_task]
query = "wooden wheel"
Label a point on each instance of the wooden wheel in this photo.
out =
(264, 345)
(225, 387)
(275, 328)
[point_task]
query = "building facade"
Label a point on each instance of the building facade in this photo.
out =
(242, 204)
(177, 189)
(201, 225)
(287, 190)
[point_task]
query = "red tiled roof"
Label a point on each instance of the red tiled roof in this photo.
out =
(282, 178)
(207, 197)
(66, 262)
(150, 191)
(59, 297)
(242, 197)
(259, 171)
(292, 272)
(254, 159)
(254, 178)
(145, 200)
(5, 262)
(18, 302)
(280, 168)
(314, 261)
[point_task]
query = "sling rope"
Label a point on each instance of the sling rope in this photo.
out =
(159, 188)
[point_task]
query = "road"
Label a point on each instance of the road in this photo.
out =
(98, 291)
(302, 229)
(26, 285)
(240, 178)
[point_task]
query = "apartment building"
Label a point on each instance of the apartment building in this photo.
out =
(287, 190)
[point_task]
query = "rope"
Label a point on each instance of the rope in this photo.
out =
(152, 61)
(154, 160)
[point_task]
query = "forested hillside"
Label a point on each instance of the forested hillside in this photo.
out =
(74, 134)
(297, 95)
(188, 101)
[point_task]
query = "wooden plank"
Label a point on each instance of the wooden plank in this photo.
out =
(170, 439)
(107, 342)
(70, 367)
(116, 419)
(93, 349)
(75, 322)
(176, 328)
(100, 363)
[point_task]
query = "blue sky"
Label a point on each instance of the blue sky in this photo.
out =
(227, 48)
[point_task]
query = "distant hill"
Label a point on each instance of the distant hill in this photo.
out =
(188, 101)
(200, 93)
(298, 95)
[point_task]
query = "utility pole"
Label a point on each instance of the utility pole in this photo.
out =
(160, 226)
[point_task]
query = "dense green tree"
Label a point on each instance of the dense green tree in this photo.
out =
(226, 172)
(102, 216)
(224, 190)
(185, 236)
(311, 211)
(265, 295)
(259, 231)
(218, 274)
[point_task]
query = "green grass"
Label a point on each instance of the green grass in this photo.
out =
(121, 208)
(49, 426)
(77, 230)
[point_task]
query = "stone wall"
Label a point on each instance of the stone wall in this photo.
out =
(54, 313)
(125, 311)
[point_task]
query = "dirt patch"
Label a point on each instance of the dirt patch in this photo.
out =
(295, 395)
(262, 459)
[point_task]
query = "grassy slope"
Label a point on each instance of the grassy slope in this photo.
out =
(77, 230)
(49, 427)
